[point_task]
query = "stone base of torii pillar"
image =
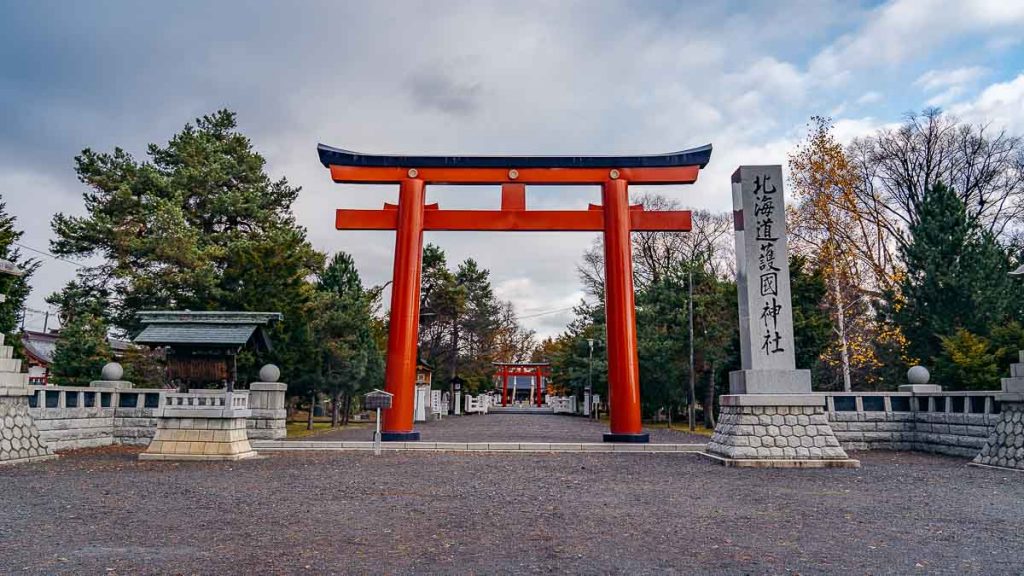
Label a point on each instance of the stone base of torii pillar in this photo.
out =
(1005, 447)
(770, 418)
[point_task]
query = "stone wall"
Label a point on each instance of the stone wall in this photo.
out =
(72, 417)
(950, 423)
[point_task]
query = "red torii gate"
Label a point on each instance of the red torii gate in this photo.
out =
(537, 370)
(615, 217)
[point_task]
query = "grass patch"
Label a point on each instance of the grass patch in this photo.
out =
(682, 427)
(297, 429)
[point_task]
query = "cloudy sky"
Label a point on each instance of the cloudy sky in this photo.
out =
(479, 77)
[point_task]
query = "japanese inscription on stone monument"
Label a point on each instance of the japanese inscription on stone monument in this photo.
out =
(766, 319)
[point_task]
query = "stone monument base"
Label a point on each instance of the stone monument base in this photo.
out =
(19, 437)
(1005, 447)
(198, 438)
(776, 431)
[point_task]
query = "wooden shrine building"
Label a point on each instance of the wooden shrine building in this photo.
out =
(202, 347)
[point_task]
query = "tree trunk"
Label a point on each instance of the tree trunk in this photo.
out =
(709, 401)
(348, 410)
(844, 353)
(312, 406)
(335, 408)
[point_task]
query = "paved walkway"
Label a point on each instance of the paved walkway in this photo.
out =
(512, 428)
(104, 512)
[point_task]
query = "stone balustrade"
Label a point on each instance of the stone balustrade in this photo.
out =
(953, 423)
(72, 417)
(561, 404)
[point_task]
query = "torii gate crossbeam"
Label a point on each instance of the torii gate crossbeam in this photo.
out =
(615, 218)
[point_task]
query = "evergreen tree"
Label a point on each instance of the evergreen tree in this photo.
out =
(956, 277)
(350, 362)
(199, 226)
(15, 288)
(81, 352)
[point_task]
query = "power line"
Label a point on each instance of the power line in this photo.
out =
(545, 313)
(45, 253)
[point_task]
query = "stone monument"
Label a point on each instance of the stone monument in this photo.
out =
(770, 418)
(1005, 447)
(19, 437)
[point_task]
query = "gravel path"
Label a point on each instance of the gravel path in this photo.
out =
(512, 428)
(103, 512)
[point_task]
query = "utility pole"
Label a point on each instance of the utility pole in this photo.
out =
(689, 288)
(590, 373)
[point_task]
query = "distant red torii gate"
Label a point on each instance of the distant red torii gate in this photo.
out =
(615, 217)
(536, 370)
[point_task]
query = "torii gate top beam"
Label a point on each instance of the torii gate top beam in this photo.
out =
(673, 168)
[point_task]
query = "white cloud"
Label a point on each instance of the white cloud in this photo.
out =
(950, 84)
(1000, 104)
(869, 97)
(898, 31)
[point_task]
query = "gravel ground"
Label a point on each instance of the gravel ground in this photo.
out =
(512, 428)
(103, 512)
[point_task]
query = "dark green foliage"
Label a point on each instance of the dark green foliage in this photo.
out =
(144, 368)
(348, 361)
(199, 226)
(81, 352)
(956, 278)
(15, 288)
(812, 326)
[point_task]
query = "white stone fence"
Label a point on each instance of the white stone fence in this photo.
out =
(561, 404)
(953, 423)
(477, 405)
(70, 417)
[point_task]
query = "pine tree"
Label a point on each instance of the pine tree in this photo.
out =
(350, 361)
(14, 288)
(199, 226)
(956, 277)
(82, 350)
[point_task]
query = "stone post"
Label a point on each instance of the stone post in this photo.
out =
(770, 418)
(1005, 447)
(19, 437)
(266, 402)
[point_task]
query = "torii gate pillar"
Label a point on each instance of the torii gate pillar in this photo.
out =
(400, 372)
(620, 312)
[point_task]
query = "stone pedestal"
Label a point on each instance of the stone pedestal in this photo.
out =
(770, 417)
(202, 425)
(269, 415)
(1005, 447)
(776, 431)
(19, 437)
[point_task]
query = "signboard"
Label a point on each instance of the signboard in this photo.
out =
(378, 399)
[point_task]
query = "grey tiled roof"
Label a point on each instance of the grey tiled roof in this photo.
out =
(156, 334)
(206, 317)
